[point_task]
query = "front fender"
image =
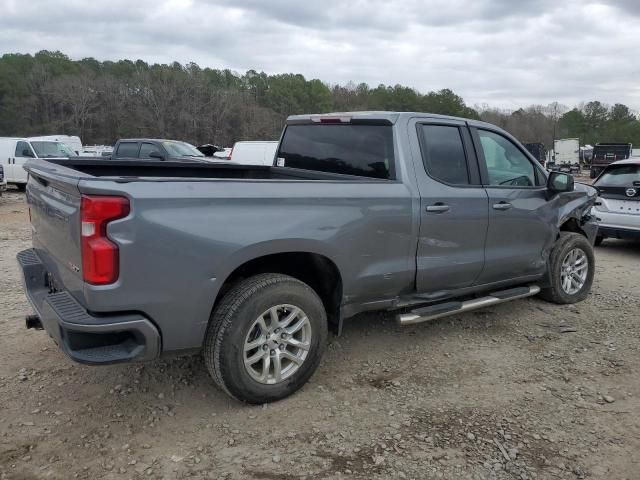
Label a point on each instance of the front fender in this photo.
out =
(575, 207)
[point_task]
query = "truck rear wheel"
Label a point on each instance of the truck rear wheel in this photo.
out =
(571, 269)
(265, 338)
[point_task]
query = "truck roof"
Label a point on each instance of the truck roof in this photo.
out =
(390, 117)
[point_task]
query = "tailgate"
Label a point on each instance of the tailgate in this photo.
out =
(54, 202)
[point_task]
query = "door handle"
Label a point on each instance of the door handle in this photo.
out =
(438, 208)
(502, 206)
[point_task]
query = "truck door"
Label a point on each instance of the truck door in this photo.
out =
(23, 153)
(453, 206)
(520, 231)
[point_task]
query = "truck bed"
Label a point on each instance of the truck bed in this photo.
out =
(130, 170)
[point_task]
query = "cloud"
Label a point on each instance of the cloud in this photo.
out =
(505, 53)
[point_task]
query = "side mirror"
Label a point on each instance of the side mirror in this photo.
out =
(27, 153)
(559, 182)
(156, 154)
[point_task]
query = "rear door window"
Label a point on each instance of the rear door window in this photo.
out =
(363, 150)
(443, 154)
(128, 149)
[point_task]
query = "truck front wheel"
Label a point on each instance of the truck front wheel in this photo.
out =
(265, 338)
(571, 269)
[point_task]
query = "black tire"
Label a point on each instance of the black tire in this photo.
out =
(234, 317)
(593, 173)
(565, 244)
(599, 240)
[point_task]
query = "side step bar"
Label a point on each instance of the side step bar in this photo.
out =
(451, 308)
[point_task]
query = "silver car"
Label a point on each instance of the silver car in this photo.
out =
(618, 206)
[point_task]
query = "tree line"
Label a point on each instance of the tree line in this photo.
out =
(102, 101)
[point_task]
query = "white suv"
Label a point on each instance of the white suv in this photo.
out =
(618, 206)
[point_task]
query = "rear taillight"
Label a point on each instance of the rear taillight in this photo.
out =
(100, 261)
(230, 154)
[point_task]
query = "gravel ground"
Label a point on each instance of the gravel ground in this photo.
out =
(507, 392)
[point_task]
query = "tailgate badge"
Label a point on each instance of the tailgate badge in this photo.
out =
(73, 267)
(631, 192)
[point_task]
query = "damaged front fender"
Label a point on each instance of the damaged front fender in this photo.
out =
(574, 211)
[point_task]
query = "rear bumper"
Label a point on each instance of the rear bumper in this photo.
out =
(619, 232)
(617, 225)
(86, 338)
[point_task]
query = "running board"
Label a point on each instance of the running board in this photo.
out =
(451, 308)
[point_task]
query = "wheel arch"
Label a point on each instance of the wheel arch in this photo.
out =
(572, 225)
(315, 269)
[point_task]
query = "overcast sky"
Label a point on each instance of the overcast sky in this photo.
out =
(507, 53)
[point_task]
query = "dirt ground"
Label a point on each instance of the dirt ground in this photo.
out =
(509, 392)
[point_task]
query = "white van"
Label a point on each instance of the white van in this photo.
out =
(71, 141)
(254, 153)
(14, 152)
(3, 181)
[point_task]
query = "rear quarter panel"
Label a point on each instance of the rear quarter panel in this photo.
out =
(183, 239)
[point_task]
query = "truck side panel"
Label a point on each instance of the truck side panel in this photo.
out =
(182, 240)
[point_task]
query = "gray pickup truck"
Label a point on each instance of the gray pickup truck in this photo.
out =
(423, 214)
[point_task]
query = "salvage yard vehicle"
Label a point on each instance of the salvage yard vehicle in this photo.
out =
(71, 141)
(150, 148)
(3, 181)
(14, 153)
(566, 156)
(422, 214)
(253, 152)
(618, 205)
(607, 153)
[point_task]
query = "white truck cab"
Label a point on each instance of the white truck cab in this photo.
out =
(14, 152)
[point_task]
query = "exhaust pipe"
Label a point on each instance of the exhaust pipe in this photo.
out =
(33, 321)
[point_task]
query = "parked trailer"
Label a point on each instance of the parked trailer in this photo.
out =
(566, 155)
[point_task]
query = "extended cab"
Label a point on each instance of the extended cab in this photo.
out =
(250, 265)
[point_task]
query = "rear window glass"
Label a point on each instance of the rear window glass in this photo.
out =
(363, 150)
(620, 176)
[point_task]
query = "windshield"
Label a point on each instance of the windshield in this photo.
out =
(52, 149)
(620, 176)
(182, 149)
